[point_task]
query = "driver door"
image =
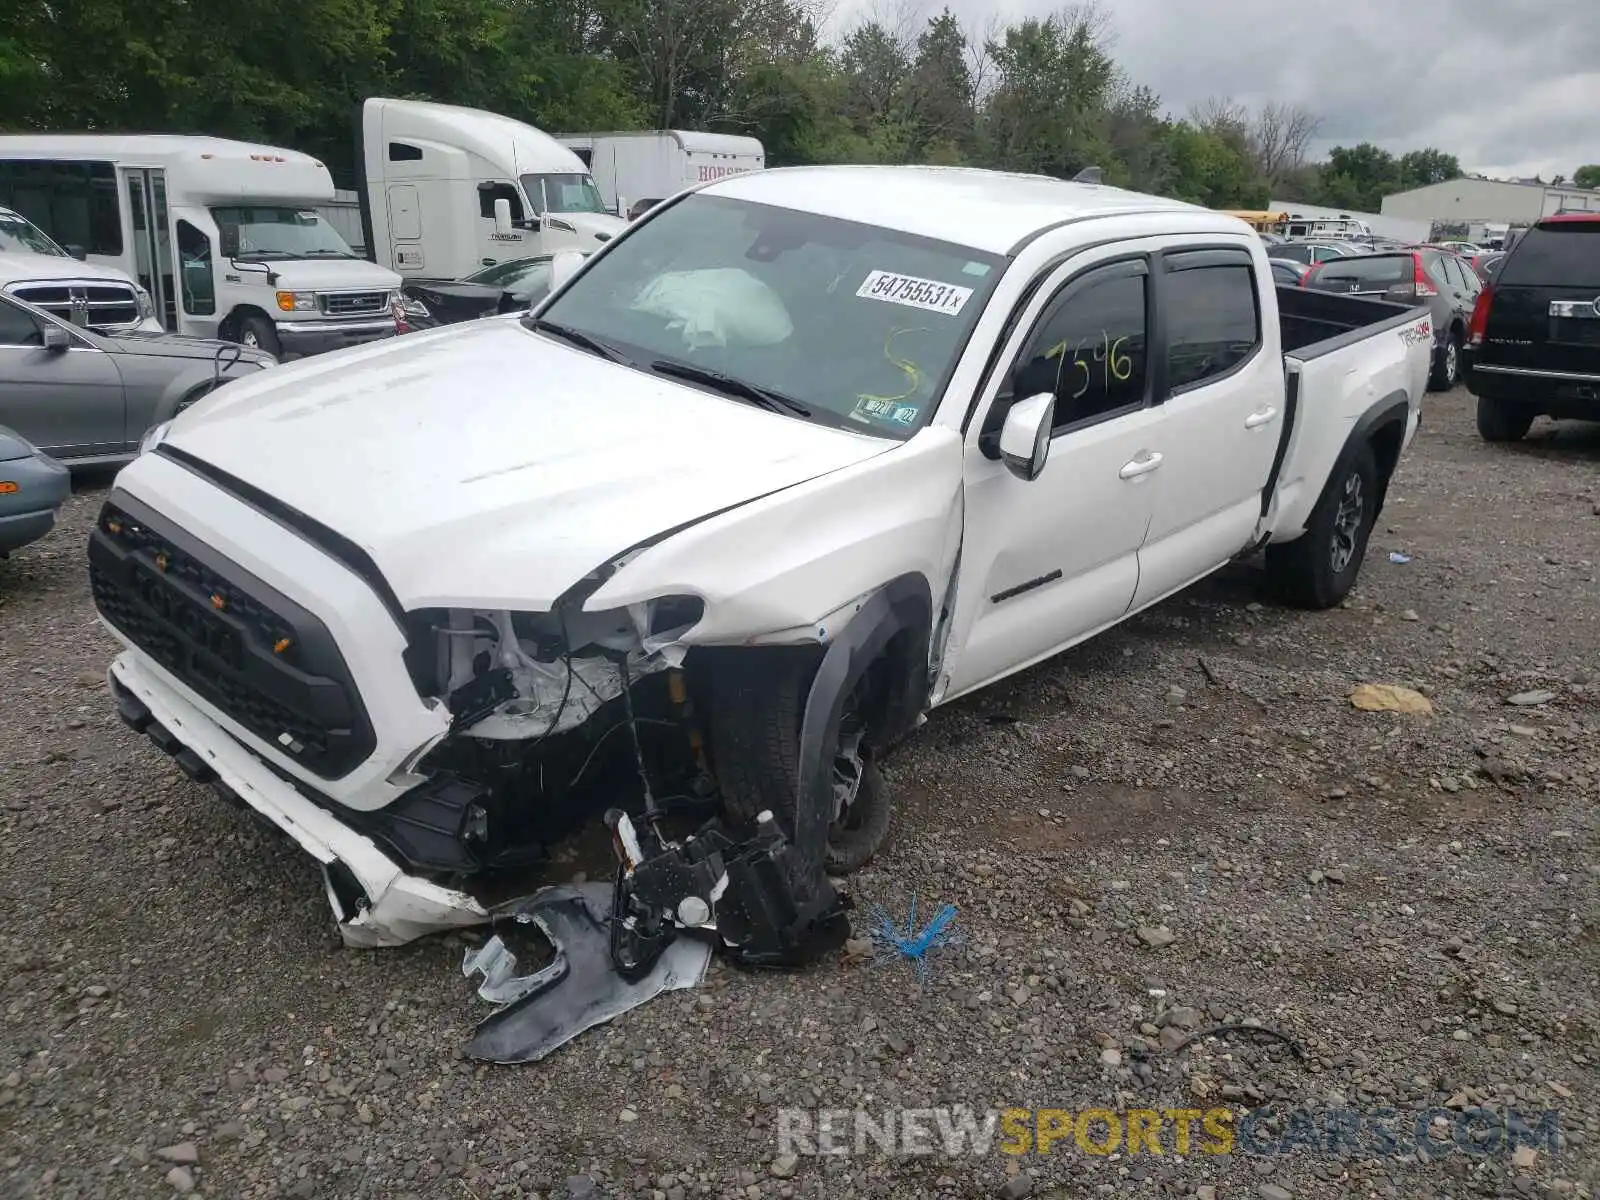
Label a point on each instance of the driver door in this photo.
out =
(1047, 562)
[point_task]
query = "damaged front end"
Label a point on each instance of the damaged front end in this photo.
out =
(555, 718)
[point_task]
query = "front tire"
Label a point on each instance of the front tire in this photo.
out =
(260, 334)
(1502, 420)
(1318, 569)
(757, 707)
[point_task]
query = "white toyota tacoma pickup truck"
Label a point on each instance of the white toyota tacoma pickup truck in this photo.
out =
(799, 456)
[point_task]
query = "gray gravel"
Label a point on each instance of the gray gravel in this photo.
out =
(1187, 806)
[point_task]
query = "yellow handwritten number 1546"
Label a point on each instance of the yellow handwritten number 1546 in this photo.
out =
(1113, 365)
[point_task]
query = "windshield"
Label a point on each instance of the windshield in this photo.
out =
(17, 236)
(269, 233)
(859, 323)
(574, 193)
(502, 274)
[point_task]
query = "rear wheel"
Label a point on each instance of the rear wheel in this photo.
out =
(1502, 420)
(757, 707)
(1318, 569)
(1447, 365)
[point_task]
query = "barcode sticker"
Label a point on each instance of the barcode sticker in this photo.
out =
(927, 294)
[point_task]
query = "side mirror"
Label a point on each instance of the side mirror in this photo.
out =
(77, 252)
(502, 216)
(56, 339)
(564, 265)
(620, 207)
(1025, 436)
(228, 237)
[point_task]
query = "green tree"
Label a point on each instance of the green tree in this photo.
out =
(1584, 177)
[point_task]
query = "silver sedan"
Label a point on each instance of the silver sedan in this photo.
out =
(87, 398)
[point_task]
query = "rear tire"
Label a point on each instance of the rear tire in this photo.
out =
(1446, 372)
(1318, 569)
(1502, 420)
(260, 334)
(756, 710)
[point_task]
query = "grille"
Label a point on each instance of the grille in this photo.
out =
(353, 304)
(98, 305)
(257, 656)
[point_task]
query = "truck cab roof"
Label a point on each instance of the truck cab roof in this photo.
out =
(988, 210)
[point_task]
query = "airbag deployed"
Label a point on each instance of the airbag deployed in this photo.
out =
(579, 988)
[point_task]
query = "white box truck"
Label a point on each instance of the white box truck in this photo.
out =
(225, 236)
(636, 171)
(450, 190)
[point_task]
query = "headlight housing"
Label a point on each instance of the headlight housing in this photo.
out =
(297, 301)
(154, 436)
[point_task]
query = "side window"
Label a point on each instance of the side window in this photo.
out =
(404, 152)
(199, 288)
(1089, 348)
(1213, 320)
(488, 193)
(17, 327)
(74, 202)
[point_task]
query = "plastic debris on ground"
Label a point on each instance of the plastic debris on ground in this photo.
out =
(1396, 557)
(896, 941)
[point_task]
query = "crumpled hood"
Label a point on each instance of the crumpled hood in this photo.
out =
(332, 275)
(484, 465)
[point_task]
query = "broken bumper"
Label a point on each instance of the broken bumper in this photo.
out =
(385, 907)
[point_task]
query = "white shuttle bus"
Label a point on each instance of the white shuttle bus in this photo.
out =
(451, 190)
(636, 171)
(224, 235)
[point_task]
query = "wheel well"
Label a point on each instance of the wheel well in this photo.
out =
(1386, 441)
(231, 324)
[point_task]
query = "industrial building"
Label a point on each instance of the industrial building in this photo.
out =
(1473, 199)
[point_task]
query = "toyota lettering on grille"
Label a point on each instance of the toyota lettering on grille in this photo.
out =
(194, 623)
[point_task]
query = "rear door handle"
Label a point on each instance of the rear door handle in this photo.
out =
(1257, 419)
(1140, 466)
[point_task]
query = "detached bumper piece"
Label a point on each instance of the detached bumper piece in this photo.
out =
(651, 930)
(579, 988)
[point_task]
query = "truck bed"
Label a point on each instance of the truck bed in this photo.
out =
(1313, 323)
(1345, 359)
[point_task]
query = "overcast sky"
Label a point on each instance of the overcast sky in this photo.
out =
(1510, 87)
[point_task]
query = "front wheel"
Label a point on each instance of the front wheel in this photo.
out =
(1318, 569)
(259, 334)
(1502, 421)
(757, 707)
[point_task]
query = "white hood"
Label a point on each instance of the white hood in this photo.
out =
(483, 465)
(332, 275)
(14, 268)
(589, 225)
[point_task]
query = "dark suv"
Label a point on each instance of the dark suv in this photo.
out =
(1533, 344)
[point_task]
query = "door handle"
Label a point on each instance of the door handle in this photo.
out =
(1140, 466)
(1257, 419)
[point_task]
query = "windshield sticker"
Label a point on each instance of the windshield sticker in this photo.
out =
(976, 268)
(879, 410)
(928, 294)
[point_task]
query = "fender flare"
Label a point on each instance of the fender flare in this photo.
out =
(903, 605)
(1393, 409)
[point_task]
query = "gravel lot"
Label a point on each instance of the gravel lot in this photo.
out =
(1412, 899)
